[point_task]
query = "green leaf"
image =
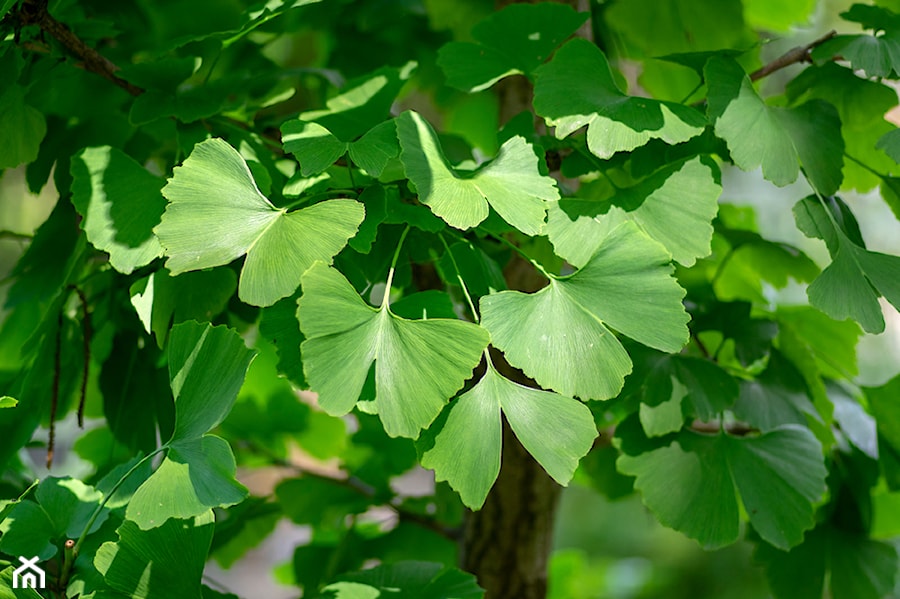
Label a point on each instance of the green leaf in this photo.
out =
(692, 484)
(7, 591)
(314, 146)
(207, 366)
(850, 286)
(877, 56)
(418, 364)
(569, 100)
(748, 265)
(196, 475)
(61, 510)
(777, 396)
(200, 230)
(886, 409)
(675, 207)
(278, 323)
(8, 402)
(162, 300)
(511, 183)
(855, 566)
(166, 561)
(120, 203)
(375, 149)
(24, 128)
(558, 335)
(514, 40)
(407, 580)
(778, 15)
(861, 105)
(558, 431)
(890, 143)
(778, 139)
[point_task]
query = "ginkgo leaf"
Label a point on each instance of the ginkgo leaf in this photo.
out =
(675, 207)
(558, 431)
(419, 364)
(120, 203)
(693, 484)
(216, 214)
(558, 336)
(162, 562)
(514, 40)
(510, 183)
(196, 475)
(207, 366)
(850, 286)
(779, 140)
(576, 88)
(877, 56)
(316, 148)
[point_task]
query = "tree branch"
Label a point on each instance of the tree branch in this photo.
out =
(792, 56)
(34, 12)
(361, 487)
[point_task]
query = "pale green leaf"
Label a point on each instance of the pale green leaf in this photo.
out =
(216, 214)
(558, 335)
(693, 484)
(576, 88)
(667, 416)
(779, 140)
(674, 207)
(876, 56)
(8, 402)
(375, 149)
(514, 40)
(419, 364)
(166, 561)
(556, 430)
(410, 580)
(207, 366)
(511, 183)
(196, 475)
(120, 203)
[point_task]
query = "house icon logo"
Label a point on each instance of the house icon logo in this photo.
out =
(28, 575)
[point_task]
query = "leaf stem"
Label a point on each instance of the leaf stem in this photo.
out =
(71, 555)
(865, 166)
(462, 283)
(519, 251)
(385, 303)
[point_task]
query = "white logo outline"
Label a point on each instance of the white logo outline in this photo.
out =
(30, 574)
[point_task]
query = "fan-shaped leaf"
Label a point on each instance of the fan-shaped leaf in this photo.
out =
(510, 183)
(419, 364)
(558, 336)
(218, 214)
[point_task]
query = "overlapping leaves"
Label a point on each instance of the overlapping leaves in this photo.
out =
(559, 336)
(576, 88)
(207, 366)
(218, 214)
(511, 183)
(418, 364)
(675, 206)
(512, 41)
(354, 122)
(693, 482)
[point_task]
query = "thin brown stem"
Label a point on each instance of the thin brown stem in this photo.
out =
(34, 12)
(792, 56)
(362, 488)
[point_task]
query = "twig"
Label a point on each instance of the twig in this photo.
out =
(34, 12)
(86, 336)
(54, 397)
(792, 56)
(16, 236)
(361, 487)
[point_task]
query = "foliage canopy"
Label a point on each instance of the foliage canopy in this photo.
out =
(289, 195)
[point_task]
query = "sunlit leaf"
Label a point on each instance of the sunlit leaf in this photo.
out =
(216, 214)
(419, 364)
(576, 88)
(511, 183)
